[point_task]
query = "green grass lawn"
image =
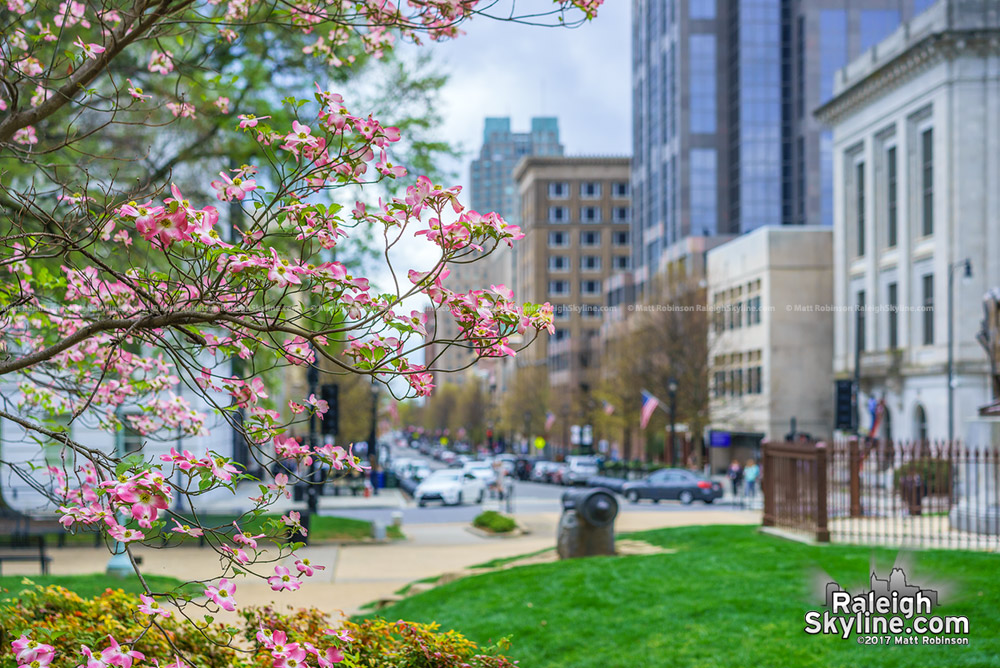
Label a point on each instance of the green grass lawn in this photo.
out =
(86, 586)
(323, 528)
(728, 597)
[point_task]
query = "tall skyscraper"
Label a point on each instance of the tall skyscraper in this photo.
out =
(723, 93)
(492, 188)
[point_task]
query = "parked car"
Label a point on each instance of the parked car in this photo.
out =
(522, 468)
(579, 469)
(614, 484)
(555, 476)
(450, 486)
(678, 484)
(482, 470)
(539, 470)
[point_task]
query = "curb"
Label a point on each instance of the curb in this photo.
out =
(516, 533)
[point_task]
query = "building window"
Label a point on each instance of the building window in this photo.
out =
(928, 284)
(701, 9)
(860, 322)
(704, 194)
(893, 298)
(590, 214)
(590, 238)
(560, 335)
(753, 311)
(876, 25)
(832, 48)
(622, 262)
(927, 180)
(590, 189)
(558, 214)
(891, 198)
(702, 83)
(590, 287)
(859, 185)
(559, 263)
(619, 189)
(558, 239)
(621, 214)
(590, 263)
(591, 311)
(558, 190)
(55, 452)
(560, 312)
(558, 288)
(620, 238)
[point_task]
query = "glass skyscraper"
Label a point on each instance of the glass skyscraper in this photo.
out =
(492, 173)
(723, 92)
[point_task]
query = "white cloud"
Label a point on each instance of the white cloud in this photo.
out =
(582, 76)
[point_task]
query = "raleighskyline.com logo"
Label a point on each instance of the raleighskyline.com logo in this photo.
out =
(890, 612)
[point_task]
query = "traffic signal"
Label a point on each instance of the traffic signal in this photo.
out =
(846, 414)
(330, 424)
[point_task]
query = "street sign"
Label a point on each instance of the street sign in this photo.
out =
(574, 434)
(587, 437)
(719, 439)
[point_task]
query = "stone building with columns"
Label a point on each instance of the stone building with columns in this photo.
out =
(916, 239)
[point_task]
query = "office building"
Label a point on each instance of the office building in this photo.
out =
(770, 339)
(575, 216)
(724, 141)
(916, 159)
(492, 189)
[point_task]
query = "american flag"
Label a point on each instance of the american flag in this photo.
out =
(608, 408)
(649, 404)
(550, 419)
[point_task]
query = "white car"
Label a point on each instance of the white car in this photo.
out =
(451, 487)
(579, 470)
(482, 470)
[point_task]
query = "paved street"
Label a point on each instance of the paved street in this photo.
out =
(529, 498)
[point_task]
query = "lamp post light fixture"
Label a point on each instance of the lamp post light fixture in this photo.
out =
(373, 453)
(966, 265)
(672, 395)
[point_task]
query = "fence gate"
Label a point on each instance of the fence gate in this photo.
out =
(795, 487)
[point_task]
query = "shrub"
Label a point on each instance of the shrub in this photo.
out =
(66, 621)
(493, 521)
(935, 475)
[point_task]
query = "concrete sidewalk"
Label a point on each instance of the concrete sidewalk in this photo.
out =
(357, 574)
(224, 502)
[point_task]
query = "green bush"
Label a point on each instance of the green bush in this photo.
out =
(493, 521)
(59, 617)
(935, 475)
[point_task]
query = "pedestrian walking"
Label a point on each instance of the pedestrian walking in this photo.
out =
(750, 474)
(735, 473)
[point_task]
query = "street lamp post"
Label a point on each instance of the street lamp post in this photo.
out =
(312, 493)
(672, 394)
(965, 264)
(372, 442)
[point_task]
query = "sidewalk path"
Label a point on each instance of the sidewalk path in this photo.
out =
(358, 574)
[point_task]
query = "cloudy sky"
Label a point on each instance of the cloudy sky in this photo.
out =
(580, 75)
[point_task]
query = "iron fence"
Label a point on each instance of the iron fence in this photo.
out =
(914, 494)
(926, 494)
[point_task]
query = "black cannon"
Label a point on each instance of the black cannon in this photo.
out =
(586, 528)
